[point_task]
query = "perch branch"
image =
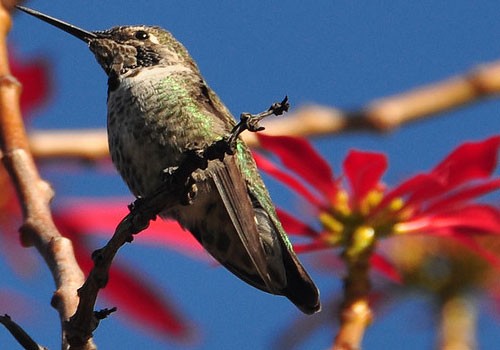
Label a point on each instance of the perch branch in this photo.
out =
(174, 191)
(34, 194)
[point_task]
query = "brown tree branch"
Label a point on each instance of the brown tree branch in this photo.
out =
(85, 320)
(20, 334)
(34, 194)
(381, 115)
(389, 113)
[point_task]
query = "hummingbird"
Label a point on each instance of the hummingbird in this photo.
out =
(160, 106)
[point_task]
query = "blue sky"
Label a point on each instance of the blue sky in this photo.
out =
(338, 53)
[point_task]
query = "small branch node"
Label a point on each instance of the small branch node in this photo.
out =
(251, 122)
(104, 313)
(10, 80)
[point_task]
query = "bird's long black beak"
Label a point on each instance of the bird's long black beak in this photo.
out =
(68, 28)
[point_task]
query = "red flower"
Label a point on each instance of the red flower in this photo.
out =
(439, 202)
(34, 75)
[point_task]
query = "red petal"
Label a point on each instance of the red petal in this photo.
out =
(430, 187)
(418, 183)
(91, 216)
(382, 265)
(299, 156)
(270, 168)
(463, 195)
(34, 77)
(363, 171)
(472, 245)
(470, 161)
(294, 226)
(472, 219)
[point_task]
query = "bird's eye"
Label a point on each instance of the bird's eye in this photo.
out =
(141, 35)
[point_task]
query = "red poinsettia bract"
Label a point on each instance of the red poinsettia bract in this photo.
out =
(357, 207)
(34, 76)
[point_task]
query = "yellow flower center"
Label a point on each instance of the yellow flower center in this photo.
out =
(354, 225)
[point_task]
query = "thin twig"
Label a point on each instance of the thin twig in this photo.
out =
(381, 115)
(388, 113)
(20, 334)
(174, 191)
(34, 194)
(81, 144)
